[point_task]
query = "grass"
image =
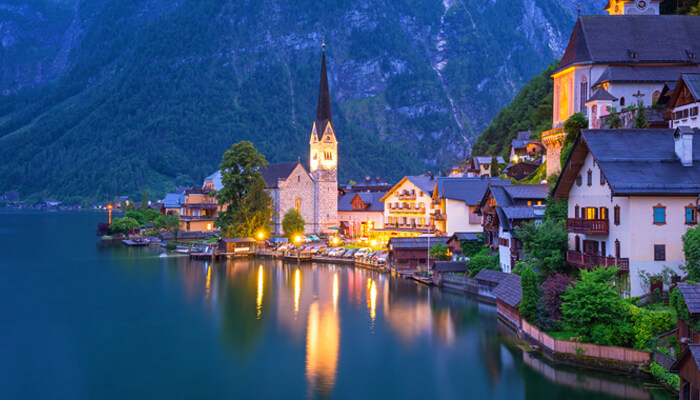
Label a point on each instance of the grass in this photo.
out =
(562, 335)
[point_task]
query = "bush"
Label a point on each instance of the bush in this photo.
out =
(531, 295)
(482, 261)
(170, 246)
(439, 252)
(552, 289)
(647, 324)
(661, 375)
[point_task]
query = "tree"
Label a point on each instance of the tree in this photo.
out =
(530, 295)
(482, 261)
(136, 215)
(592, 306)
(552, 290)
(557, 209)
(150, 214)
(293, 224)
(438, 252)
(545, 244)
(123, 225)
(495, 167)
(691, 250)
(640, 119)
(170, 222)
(241, 168)
(612, 120)
(144, 199)
(255, 212)
(572, 127)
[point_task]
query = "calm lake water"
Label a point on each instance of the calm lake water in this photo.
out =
(85, 320)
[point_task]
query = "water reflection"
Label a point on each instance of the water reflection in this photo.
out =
(260, 291)
(297, 291)
(322, 344)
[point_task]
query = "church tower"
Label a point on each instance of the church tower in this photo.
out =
(323, 159)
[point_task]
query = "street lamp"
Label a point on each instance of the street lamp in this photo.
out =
(335, 240)
(297, 240)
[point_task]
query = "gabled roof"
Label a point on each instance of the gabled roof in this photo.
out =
(449, 266)
(492, 276)
(652, 168)
(691, 295)
(618, 39)
(532, 191)
(509, 290)
(172, 200)
(416, 243)
(643, 74)
(692, 351)
(689, 81)
(465, 236)
(426, 183)
(486, 160)
(371, 198)
(276, 172)
(601, 95)
(215, 178)
(468, 190)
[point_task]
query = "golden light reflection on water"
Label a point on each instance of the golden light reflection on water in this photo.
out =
(335, 292)
(297, 291)
(260, 291)
(372, 300)
(208, 284)
(322, 343)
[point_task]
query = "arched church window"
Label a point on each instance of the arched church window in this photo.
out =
(622, 101)
(584, 93)
(655, 96)
(297, 205)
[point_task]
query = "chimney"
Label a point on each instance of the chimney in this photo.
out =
(683, 137)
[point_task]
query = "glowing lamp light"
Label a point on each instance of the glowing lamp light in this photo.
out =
(261, 235)
(297, 239)
(335, 240)
(374, 243)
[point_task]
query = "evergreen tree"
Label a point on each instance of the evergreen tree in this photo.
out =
(531, 295)
(255, 212)
(495, 167)
(640, 119)
(293, 224)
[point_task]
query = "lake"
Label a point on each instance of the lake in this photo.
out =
(87, 320)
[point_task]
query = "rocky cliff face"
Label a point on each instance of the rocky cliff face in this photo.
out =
(413, 80)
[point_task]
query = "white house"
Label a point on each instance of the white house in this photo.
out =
(685, 101)
(457, 199)
(632, 195)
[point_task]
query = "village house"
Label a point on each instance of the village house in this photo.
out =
(631, 196)
(685, 102)
(609, 61)
(360, 213)
(198, 211)
(520, 170)
(407, 207)
(687, 366)
(481, 166)
(455, 242)
(522, 148)
(455, 200)
(504, 208)
(508, 295)
(406, 253)
(691, 296)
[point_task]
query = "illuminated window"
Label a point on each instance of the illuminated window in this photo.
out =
(208, 227)
(539, 202)
(422, 221)
(529, 203)
(297, 205)
(603, 213)
(591, 213)
(328, 155)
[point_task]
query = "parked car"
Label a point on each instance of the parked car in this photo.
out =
(382, 259)
(350, 253)
(361, 253)
(336, 251)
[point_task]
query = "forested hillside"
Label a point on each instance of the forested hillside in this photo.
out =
(107, 97)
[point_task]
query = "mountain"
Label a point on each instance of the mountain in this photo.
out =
(107, 97)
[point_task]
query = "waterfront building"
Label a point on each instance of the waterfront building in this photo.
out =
(406, 253)
(685, 101)
(360, 213)
(631, 196)
(691, 295)
(687, 366)
(508, 295)
(407, 207)
(454, 201)
(171, 204)
(313, 192)
(197, 211)
(619, 60)
(504, 208)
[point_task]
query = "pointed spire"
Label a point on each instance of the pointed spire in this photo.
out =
(323, 110)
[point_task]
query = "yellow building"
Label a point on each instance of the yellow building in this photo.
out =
(197, 211)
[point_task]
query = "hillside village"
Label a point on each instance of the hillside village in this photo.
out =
(617, 176)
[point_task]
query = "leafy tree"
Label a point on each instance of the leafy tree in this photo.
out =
(612, 120)
(471, 247)
(531, 295)
(293, 224)
(136, 215)
(552, 290)
(438, 252)
(240, 170)
(150, 214)
(170, 222)
(572, 127)
(123, 225)
(691, 250)
(556, 209)
(545, 244)
(592, 306)
(482, 261)
(255, 213)
(640, 119)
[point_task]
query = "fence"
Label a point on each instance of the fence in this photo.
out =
(585, 349)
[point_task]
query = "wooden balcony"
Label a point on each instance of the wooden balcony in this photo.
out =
(587, 261)
(407, 196)
(588, 226)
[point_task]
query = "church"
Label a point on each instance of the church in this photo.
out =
(314, 192)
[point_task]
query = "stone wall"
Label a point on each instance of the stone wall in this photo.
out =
(298, 185)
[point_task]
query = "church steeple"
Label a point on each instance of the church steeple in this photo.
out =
(323, 109)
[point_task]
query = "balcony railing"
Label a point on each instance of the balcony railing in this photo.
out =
(407, 196)
(196, 217)
(588, 261)
(588, 226)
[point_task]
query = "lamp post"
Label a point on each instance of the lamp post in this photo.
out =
(297, 240)
(261, 236)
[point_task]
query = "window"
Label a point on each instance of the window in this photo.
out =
(617, 215)
(539, 202)
(584, 94)
(603, 213)
(579, 180)
(298, 178)
(694, 112)
(617, 249)
(602, 249)
(576, 213)
(577, 243)
(328, 155)
(659, 252)
(591, 213)
(690, 215)
(659, 214)
(622, 101)
(422, 221)
(602, 178)
(529, 203)
(589, 178)
(297, 205)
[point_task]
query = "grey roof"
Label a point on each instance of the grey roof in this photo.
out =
(524, 135)
(216, 179)
(643, 74)
(371, 198)
(487, 160)
(416, 243)
(172, 200)
(691, 295)
(489, 275)
(509, 290)
(693, 351)
(519, 212)
(652, 168)
(530, 191)
(466, 235)
(449, 266)
(693, 83)
(274, 172)
(468, 190)
(424, 183)
(591, 40)
(601, 94)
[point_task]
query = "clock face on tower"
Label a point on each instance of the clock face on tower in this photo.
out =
(641, 5)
